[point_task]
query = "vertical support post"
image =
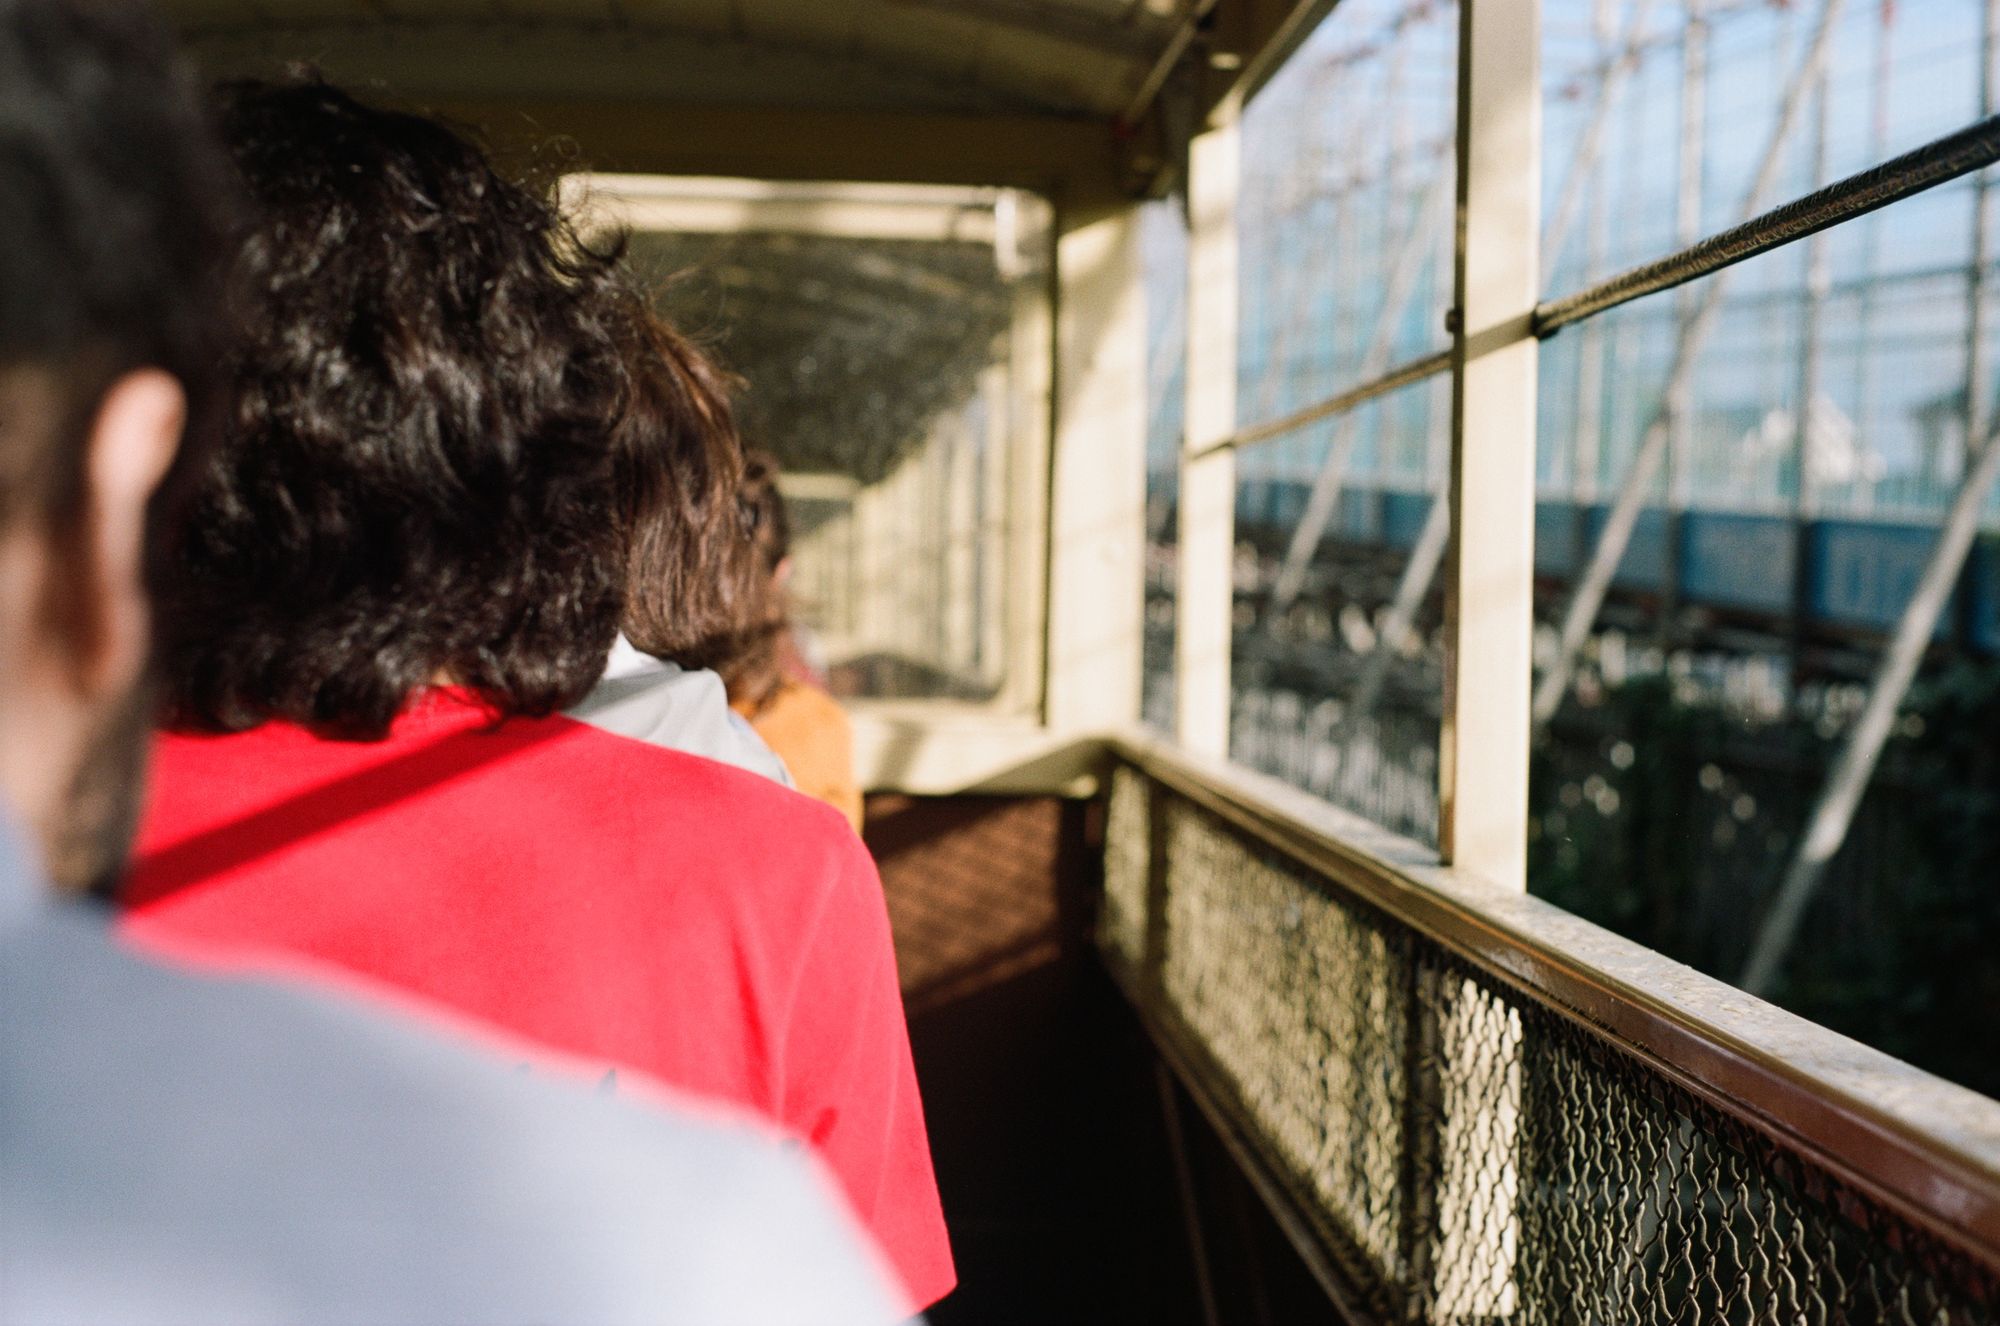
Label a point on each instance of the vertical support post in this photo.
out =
(1098, 480)
(1205, 604)
(1871, 240)
(1029, 465)
(1978, 348)
(1489, 598)
(1470, 1245)
(1805, 498)
(1688, 194)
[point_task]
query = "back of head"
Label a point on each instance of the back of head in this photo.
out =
(112, 209)
(414, 481)
(113, 206)
(680, 466)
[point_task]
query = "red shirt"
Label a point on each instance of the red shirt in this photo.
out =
(607, 898)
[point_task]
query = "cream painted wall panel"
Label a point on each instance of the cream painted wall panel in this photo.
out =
(1097, 543)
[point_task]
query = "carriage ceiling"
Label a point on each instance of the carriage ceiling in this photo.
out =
(1025, 92)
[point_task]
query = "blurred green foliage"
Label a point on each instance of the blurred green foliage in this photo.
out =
(1669, 821)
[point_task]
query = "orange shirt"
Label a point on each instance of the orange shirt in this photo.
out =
(809, 731)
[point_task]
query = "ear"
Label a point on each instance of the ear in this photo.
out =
(131, 444)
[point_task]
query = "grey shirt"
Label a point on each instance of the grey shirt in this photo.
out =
(664, 704)
(190, 1150)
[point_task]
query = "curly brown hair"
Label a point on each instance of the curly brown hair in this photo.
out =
(416, 471)
(680, 463)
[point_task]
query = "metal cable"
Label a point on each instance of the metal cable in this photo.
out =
(1403, 375)
(1935, 163)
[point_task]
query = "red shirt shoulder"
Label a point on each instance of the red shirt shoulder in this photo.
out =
(608, 898)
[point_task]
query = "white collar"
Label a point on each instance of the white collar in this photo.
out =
(627, 661)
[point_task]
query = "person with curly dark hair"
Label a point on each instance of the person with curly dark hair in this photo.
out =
(415, 478)
(179, 1149)
(400, 568)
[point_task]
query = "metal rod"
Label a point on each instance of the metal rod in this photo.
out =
(1184, 1188)
(1418, 574)
(1978, 341)
(1833, 814)
(1698, 321)
(1156, 76)
(1587, 440)
(1850, 775)
(1961, 153)
(1044, 19)
(1689, 200)
(1582, 184)
(1804, 494)
(1871, 236)
(1402, 375)
(1618, 68)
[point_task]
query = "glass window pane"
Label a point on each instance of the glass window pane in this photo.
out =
(1345, 273)
(1660, 114)
(1801, 493)
(1345, 213)
(1338, 674)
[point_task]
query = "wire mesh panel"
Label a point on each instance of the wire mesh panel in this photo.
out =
(1455, 1148)
(1644, 1205)
(1121, 914)
(1315, 1042)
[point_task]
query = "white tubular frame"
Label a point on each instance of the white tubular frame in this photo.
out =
(1204, 599)
(1490, 590)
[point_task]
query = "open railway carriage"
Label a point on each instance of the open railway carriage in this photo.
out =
(1196, 1044)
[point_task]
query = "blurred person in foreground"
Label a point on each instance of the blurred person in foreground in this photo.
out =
(767, 680)
(397, 571)
(181, 1149)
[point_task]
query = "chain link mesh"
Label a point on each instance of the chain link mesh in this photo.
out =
(1462, 1153)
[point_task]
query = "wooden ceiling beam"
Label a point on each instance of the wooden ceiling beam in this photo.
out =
(1073, 161)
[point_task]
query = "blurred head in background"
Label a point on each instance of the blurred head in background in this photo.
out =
(113, 213)
(769, 681)
(680, 465)
(756, 665)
